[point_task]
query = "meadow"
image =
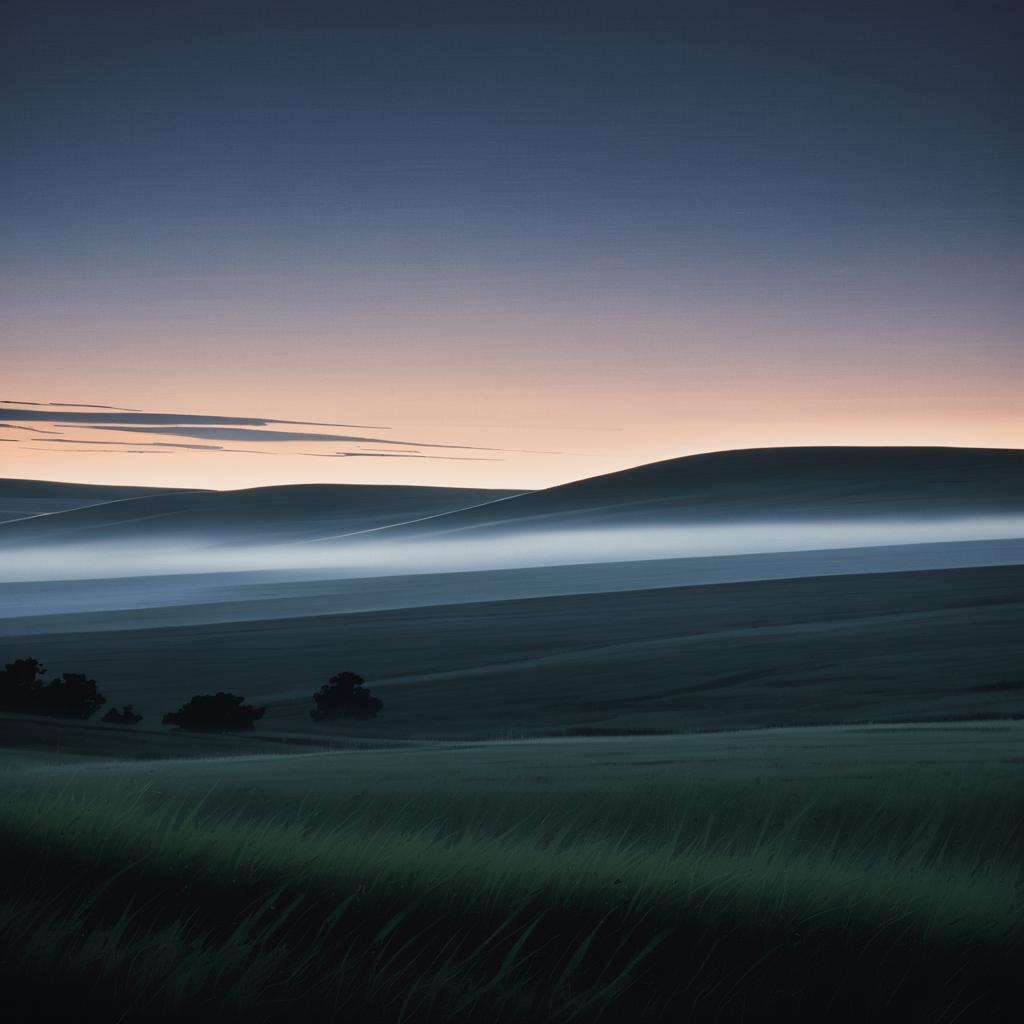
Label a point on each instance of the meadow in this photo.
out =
(914, 646)
(839, 871)
(725, 788)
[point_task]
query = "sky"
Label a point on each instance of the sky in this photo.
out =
(502, 245)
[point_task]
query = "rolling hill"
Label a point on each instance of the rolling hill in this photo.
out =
(751, 485)
(761, 484)
(922, 631)
(20, 499)
(851, 648)
(251, 516)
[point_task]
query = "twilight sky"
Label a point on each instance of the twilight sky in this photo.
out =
(503, 244)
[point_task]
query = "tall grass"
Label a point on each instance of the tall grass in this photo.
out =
(263, 969)
(449, 907)
(575, 859)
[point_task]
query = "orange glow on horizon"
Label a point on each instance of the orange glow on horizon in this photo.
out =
(604, 391)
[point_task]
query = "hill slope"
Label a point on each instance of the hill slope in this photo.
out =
(20, 499)
(769, 483)
(251, 516)
(858, 648)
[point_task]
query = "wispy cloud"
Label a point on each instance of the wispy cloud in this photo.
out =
(84, 405)
(287, 436)
(153, 444)
(121, 445)
(34, 430)
(220, 428)
(102, 451)
(66, 405)
(401, 455)
(231, 433)
(51, 415)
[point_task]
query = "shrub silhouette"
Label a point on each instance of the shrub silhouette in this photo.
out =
(22, 688)
(21, 685)
(72, 696)
(126, 716)
(345, 696)
(214, 712)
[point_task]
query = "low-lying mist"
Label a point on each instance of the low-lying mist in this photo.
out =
(377, 554)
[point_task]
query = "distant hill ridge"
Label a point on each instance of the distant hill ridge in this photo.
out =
(754, 484)
(254, 515)
(13, 487)
(20, 499)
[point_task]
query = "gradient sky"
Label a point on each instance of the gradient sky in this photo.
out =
(516, 243)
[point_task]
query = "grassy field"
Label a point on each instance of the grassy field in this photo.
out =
(576, 806)
(896, 646)
(844, 872)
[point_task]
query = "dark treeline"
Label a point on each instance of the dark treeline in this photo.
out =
(24, 689)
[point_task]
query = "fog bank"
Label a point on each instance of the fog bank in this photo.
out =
(375, 554)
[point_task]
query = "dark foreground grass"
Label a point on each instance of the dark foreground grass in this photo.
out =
(662, 897)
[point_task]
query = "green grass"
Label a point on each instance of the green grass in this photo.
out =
(847, 871)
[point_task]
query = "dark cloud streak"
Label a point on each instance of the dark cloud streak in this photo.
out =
(122, 445)
(34, 430)
(243, 434)
(40, 415)
(147, 444)
(66, 405)
(399, 455)
(84, 405)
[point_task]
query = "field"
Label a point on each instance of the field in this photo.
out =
(780, 782)
(631, 877)
(910, 646)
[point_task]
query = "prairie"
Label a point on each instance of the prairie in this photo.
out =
(771, 781)
(626, 877)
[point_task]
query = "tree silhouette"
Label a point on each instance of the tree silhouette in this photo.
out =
(73, 696)
(126, 716)
(21, 685)
(214, 712)
(345, 696)
(22, 688)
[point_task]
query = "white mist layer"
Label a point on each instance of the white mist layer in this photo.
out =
(373, 554)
